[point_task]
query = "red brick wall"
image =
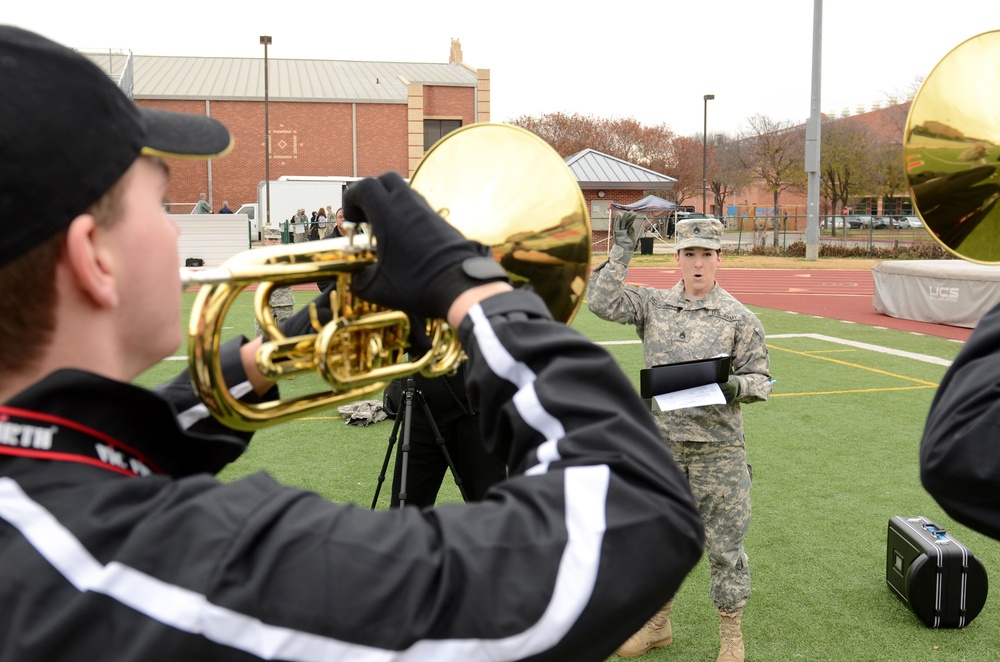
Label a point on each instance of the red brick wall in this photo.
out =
(450, 102)
(314, 139)
(381, 139)
(618, 196)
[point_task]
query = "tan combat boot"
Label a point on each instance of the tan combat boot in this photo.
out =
(656, 633)
(731, 636)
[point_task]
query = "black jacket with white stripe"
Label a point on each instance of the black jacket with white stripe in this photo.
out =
(594, 530)
(959, 453)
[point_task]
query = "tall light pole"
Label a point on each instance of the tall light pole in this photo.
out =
(704, 157)
(266, 41)
(813, 131)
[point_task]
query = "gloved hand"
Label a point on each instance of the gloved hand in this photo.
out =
(731, 389)
(625, 233)
(423, 263)
(300, 324)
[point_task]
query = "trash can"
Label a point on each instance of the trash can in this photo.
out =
(646, 245)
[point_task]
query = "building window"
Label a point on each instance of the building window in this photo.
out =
(434, 130)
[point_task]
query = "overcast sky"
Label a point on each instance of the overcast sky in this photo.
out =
(650, 60)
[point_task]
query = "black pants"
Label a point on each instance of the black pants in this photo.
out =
(426, 466)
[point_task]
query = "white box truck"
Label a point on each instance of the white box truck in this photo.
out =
(291, 193)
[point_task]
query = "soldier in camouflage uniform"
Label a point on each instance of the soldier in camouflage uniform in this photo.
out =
(697, 319)
(282, 305)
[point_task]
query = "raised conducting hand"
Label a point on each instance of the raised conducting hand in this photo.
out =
(625, 233)
(423, 262)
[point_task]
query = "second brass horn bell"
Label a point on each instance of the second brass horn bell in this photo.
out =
(952, 152)
(496, 183)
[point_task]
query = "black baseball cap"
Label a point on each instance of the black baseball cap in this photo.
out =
(67, 134)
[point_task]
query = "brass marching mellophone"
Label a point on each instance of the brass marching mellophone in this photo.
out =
(951, 152)
(496, 183)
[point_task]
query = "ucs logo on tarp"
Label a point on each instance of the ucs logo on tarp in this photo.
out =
(939, 293)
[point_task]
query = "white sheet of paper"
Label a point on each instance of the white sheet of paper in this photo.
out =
(699, 396)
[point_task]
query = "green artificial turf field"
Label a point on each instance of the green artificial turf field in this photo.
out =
(834, 454)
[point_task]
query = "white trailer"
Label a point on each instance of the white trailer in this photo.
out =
(291, 193)
(211, 238)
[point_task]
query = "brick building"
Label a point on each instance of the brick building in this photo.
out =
(324, 117)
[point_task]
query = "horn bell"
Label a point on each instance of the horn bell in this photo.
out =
(952, 150)
(506, 188)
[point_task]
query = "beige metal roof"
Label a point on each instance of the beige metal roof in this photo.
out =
(594, 169)
(167, 77)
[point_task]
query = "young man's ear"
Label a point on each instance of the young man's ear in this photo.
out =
(89, 262)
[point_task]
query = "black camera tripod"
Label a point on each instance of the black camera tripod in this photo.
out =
(403, 416)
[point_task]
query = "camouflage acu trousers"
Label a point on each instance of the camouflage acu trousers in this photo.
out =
(720, 481)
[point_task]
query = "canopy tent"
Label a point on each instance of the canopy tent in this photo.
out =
(650, 203)
(658, 215)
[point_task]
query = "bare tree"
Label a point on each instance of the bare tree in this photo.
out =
(845, 161)
(567, 134)
(889, 172)
(774, 153)
(623, 138)
(687, 153)
(726, 173)
(889, 175)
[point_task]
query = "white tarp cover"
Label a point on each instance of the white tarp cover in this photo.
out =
(953, 292)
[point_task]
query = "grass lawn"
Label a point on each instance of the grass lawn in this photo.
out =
(834, 454)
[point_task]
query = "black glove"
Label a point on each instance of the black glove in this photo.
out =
(423, 263)
(625, 234)
(300, 324)
(731, 389)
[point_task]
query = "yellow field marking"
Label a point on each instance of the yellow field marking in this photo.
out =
(832, 351)
(857, 390)
(854, 365)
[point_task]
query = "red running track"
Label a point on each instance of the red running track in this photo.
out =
(844, 294)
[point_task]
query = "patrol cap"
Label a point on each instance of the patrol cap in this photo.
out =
(698, 233)
(67, 134)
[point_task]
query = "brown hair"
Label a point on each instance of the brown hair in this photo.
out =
(28, 290)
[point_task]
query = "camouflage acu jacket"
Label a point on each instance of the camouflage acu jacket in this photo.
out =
(674, 329)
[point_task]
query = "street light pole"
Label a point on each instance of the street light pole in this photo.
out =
(266, 41)
(704, 157)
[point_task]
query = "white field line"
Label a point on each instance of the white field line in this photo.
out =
(840, 341)
(863, 345)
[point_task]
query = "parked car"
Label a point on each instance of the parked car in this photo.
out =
(911, 222)
(856, 222)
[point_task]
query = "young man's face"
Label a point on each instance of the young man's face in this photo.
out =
(698, 267)
(144, 246)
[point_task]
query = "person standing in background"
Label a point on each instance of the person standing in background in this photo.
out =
(202, 207)
(334, 229)
(320, 223)
(225, 208)
(300, 226)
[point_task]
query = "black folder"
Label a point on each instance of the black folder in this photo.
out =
(679, 376)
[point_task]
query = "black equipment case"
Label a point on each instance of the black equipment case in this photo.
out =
(939, 578)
